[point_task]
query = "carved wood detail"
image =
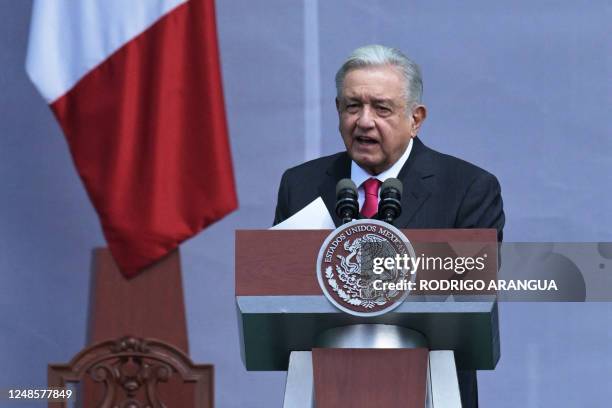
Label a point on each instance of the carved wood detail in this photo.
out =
(130, 370)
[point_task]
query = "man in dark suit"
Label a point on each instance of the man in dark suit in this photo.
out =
(380, 113)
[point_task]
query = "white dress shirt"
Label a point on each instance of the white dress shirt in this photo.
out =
(359, 175)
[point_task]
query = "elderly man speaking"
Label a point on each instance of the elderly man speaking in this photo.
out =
(380, 113)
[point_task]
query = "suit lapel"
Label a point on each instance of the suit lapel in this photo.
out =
(415, 170)
(340, 168)
(415, 194)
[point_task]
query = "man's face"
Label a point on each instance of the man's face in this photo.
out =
(374, 122)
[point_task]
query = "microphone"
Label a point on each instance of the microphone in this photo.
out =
(390, 205)
(347, 206)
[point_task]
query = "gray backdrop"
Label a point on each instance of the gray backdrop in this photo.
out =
(520, 88)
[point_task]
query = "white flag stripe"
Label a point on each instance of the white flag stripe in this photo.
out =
(68, 38)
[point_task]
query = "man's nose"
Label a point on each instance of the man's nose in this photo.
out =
(366, 118)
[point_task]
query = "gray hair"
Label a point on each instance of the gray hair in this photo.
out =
(377, 55)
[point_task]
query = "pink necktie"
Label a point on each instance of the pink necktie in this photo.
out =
(370, 205)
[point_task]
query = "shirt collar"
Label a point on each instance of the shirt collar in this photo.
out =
(359, 175)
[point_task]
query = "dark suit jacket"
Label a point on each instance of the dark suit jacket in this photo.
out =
(440, 191)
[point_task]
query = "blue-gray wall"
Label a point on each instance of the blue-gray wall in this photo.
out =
(521, 89)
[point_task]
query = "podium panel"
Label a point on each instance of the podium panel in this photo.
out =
(364, 378)
(281, 307)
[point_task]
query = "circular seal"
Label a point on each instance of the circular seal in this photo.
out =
(351, 267)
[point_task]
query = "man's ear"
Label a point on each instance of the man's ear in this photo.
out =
(338, 105)
(419, 113)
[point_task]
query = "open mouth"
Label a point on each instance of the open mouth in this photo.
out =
(366, 140)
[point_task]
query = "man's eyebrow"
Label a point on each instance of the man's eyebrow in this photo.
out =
(373, 100)
(383, 100)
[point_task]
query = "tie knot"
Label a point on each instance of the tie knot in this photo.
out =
(371, 186)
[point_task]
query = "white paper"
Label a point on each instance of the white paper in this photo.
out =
(313, 216)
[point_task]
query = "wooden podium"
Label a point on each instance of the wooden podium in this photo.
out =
(405, 358)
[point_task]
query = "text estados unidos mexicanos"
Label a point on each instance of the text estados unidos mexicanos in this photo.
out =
(356, 229)
(459, 264)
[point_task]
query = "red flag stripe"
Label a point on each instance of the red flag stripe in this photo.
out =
(148, 135)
